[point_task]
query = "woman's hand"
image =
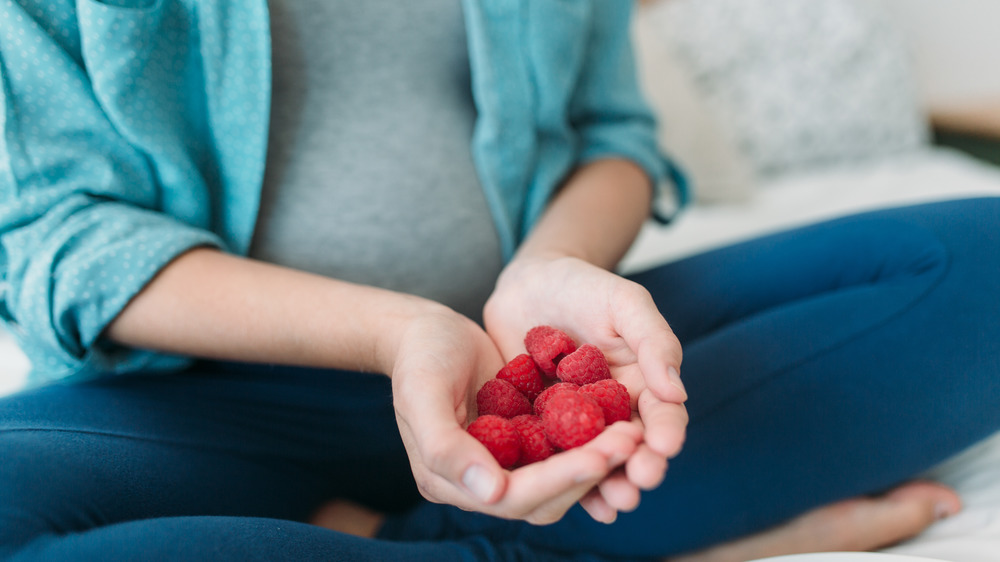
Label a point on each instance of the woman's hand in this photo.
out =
(442, 359)
(595, 306)
(211, 304)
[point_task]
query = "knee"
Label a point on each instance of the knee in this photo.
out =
(19, 520)
(38, 489)
(977, 217)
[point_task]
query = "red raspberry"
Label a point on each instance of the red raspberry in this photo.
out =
(584, 366)
(499, 397)
(549, 392)
(522, 372)
(571, 419)
(547, 346)
(499, 436)
(612, 397)
(535, 446)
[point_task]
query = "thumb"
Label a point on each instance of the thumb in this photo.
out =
(509, 342)
(657, 350)
(465, 463)
(448, 463)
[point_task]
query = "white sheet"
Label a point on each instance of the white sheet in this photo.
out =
(973, 535)
(13, 364)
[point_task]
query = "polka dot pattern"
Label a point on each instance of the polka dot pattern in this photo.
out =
(549, 100)
(126, 124)
(133, 130)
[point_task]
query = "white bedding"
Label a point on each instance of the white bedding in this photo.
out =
(973, 535)
(794, 200)
(13, 364)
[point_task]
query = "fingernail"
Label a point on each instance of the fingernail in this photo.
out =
(675, 379)
(480, 482)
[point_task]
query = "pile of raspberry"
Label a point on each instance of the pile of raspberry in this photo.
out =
(555, 397)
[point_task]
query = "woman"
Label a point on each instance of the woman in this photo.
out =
(141, 228)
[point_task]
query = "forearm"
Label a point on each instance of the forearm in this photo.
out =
(595, 216)
(214, 305)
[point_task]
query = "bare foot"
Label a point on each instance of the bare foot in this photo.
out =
(348, 517)
(857, 524)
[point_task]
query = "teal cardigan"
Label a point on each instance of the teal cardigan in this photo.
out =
(134, 130)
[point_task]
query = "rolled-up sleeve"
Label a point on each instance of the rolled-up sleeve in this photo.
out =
(81, 232)
(609, 113)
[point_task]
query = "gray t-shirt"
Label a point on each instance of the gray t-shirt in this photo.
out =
(369, 173)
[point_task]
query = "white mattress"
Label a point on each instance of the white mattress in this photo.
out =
(973, 535)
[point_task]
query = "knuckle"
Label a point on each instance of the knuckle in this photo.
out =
(425, 487)
(591, 464)
(401, 401)
(632, 292)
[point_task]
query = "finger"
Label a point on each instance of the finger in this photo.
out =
(543, 492)
(657, 349)
(464, 462)
(507, 337)
(474, 481)
(666, 423)
(598, 509)
(507, 341)
(661, 376)
(618, 492)
(646, 468)
(445, 449)
(553, 494)
(617, 442)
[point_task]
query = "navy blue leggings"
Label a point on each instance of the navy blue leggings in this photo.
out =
(830, 361)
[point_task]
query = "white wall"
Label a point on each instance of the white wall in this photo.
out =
(957, 47)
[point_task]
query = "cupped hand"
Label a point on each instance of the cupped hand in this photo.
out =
(441, 360)
(595, 306)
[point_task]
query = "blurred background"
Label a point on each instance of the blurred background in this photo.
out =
(742, 86)
(956, 52)
(786, 112)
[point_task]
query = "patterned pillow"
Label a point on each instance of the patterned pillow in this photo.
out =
(800, 83)
(690, 131)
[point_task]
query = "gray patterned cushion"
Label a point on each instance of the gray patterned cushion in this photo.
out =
(800, 82)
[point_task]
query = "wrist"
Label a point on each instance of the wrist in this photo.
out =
(392, 324)
(535, 250)
(529, 282)
(595, 216)
(549, 263)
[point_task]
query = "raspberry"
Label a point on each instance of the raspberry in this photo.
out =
(535, 446)
(547, 346)
(499, 436)
(584, 366)
(612, 397)
(549, 392)
(500, 398)
(522, 372)
(571, 419)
